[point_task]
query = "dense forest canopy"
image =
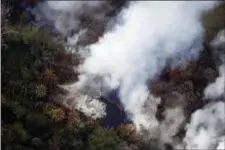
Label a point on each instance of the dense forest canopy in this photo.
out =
(34, 63)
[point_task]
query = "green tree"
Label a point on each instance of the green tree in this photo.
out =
(103, 139)
(57, 114)
(41, 91)
(20, 132)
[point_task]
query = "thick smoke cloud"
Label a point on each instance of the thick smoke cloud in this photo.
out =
(217, 88)
(221, 145)
(207, 127)
(151, 35)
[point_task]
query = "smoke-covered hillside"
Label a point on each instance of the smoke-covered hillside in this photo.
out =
(113, 75)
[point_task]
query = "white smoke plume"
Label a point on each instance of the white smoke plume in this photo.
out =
(148, 36)
(84, 97)
(217, 88)
(206, 127)
(84, 103)
(174, 117)
(221, 145)
(151, 34)
(149, 120)
(218, 44)
(219, 41)
(88, 105)
(64, 15)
